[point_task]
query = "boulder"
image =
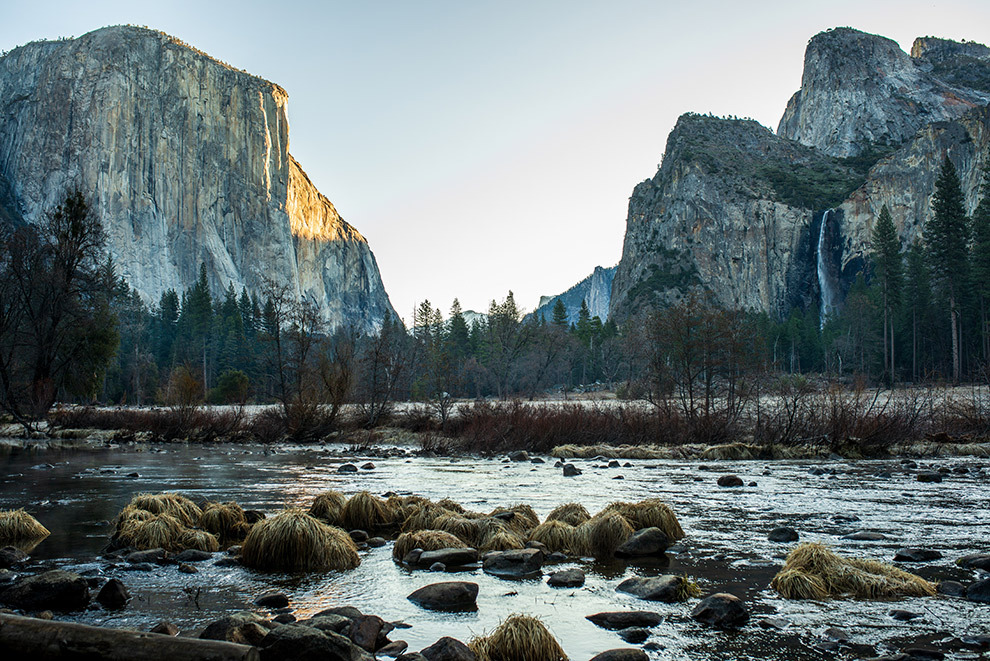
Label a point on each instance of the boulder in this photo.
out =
(369, 632)
(783, 534)
(865, 536)
(570, 470)
(293, 642)
(245, 628)
(413, 656)
(519, 455)
(448, 596)
(617, 620)
(916, 555)
(272, 600)
(448, 649)
(722, 610)
(157, 556)
(929, 476)
(448, 557)
(329, 622)
(903, 615)
(975, 561)
(165, 628)
(568, 578)
(524, 563)
(730, 481)
(654, 588)
(56, 590)
(393, 649)
(624, 654)
(951, 588)
(193, 555)
(113, 594)
(643, 543)
(634, 635)
(10, 556)
(979, 591)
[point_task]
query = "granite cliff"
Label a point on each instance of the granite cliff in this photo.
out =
(186, 161)
(770, 222)
(595, 291)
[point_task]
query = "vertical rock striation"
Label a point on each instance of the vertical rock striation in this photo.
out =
(595, 290)
(186, 161)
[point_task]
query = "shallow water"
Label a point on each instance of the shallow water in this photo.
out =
(76, 494)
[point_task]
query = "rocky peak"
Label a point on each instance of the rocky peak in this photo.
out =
(861, 90)
(962, 64)
(186, 161)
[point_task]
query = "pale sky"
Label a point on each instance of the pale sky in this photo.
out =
(488, 146)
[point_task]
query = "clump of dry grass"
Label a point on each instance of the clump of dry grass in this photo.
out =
(813, 571)
(367, 512)
(329, 507)
(200, 540)
(467, 529)
(428, 540)
(16, 525)
(730, 452)
(451, 505)
(503, 540)
(650, 513)
(224, 521)
(603, 533)
(173, 504)
(161, 531)
(572, 513)
(518, 638)
(557, 536)
(423, 516)
(523, 519)
(293, 540)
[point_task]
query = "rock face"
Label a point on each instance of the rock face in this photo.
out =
(595, 291)
(186, 161)
(770, 222)
(861, 89)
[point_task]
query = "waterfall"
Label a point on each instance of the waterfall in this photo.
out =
(826, 292)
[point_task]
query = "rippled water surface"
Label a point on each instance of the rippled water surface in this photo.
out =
(75, 495)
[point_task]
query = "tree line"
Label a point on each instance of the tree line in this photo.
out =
(72, 329)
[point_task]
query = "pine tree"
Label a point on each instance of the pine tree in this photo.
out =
(458, 334)
(559, 314)
(917, 294)
(947, 240)
(889, 270)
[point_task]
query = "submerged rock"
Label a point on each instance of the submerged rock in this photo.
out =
(624, 654)
(783, 534)
(113, 594)
(524, 563)
(916, 555)
(448, 557)
(272, 600)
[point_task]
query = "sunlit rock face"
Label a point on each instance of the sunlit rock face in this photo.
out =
(859, 90)
(186, 161)
(737, 211)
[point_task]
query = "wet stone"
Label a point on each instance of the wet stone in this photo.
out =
(929, 476)
(284, 618)
(568, 578)
(272, 600)
(113, 594)
(347, 468)
(358, 535)
(783, 534)
(923, 654)
(645, 542)
(865, 536)
(186, 568)
(193, 555)
(617, 620)
(448, 558)
(166, 629)
(722, 610)
(979, 591)
(951, 588)
(525, 563)
(653, 588)
(245, 628)
(393, 649)
(368, 466)
(449, 596)
(570, 470)
(903, 615)
(448, 649)
(376, 542)
(10, 556)
(730, 481)
(634, 635)
(975, 561)
(152, 555)
(916, 555)
(52, 590)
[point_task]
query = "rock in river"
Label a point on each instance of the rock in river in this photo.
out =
(644, 543)
(783, 534)
(524, 563)
(655, 588)
(623, 654)
(451, 595)
(616, 620)
(297, 642)
(722, 610)
(568, 578)
(730, 481)
(979, 591)
(916, 555)
(113, 594)
(448, 649)
(56, 590)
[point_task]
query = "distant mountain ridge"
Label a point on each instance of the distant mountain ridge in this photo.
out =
(595, 290)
